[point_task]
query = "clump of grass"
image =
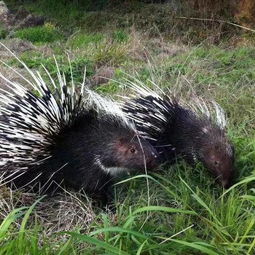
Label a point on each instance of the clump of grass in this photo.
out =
(120, 36)
(110, 54)
(27, 238)
(3, 32)
(21, 242)
(82, 40)
(41, 34)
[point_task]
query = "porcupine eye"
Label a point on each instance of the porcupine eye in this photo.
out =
(216, 163)
(132, 150)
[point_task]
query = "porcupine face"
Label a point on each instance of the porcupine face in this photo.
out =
(135, 153)
(218, 157)
(129, 153)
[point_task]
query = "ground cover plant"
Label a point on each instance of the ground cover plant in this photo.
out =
(176, 210)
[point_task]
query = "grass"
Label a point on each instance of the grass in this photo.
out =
(83, 40)
(172, 19)
(177, 210)
(3, 32)
(43, 34)
(179, 220)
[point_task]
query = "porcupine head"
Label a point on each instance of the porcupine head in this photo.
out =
(216, 152)
(115, 143)
(121, 149)
(199, 138)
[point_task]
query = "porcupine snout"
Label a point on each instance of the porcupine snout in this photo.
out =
(147, 157)
(153, 160)
(219, 159)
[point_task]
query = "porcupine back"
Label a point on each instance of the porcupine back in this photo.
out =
(59, 135)
(193, 130)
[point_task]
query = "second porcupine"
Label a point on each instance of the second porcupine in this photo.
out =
(77, 139)
(180, 129)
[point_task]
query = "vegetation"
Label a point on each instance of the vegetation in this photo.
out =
(3, 32)
(44, 34)
(178, 210)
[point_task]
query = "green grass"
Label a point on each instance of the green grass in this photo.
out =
(82, 40)
(120, 36)
(3, 32)
(181, 218)
(44, 34)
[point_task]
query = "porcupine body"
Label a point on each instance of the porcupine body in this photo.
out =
(76, 139)
(194, 131)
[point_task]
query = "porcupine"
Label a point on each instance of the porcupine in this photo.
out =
(194, 131)
(58, 136)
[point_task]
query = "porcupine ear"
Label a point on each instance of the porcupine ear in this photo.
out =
(122, 144)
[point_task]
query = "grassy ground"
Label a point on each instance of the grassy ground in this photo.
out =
(178, 210)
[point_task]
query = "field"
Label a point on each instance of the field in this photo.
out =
(178, 209)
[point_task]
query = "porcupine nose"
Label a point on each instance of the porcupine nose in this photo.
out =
(226, 184)
(153, 162)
